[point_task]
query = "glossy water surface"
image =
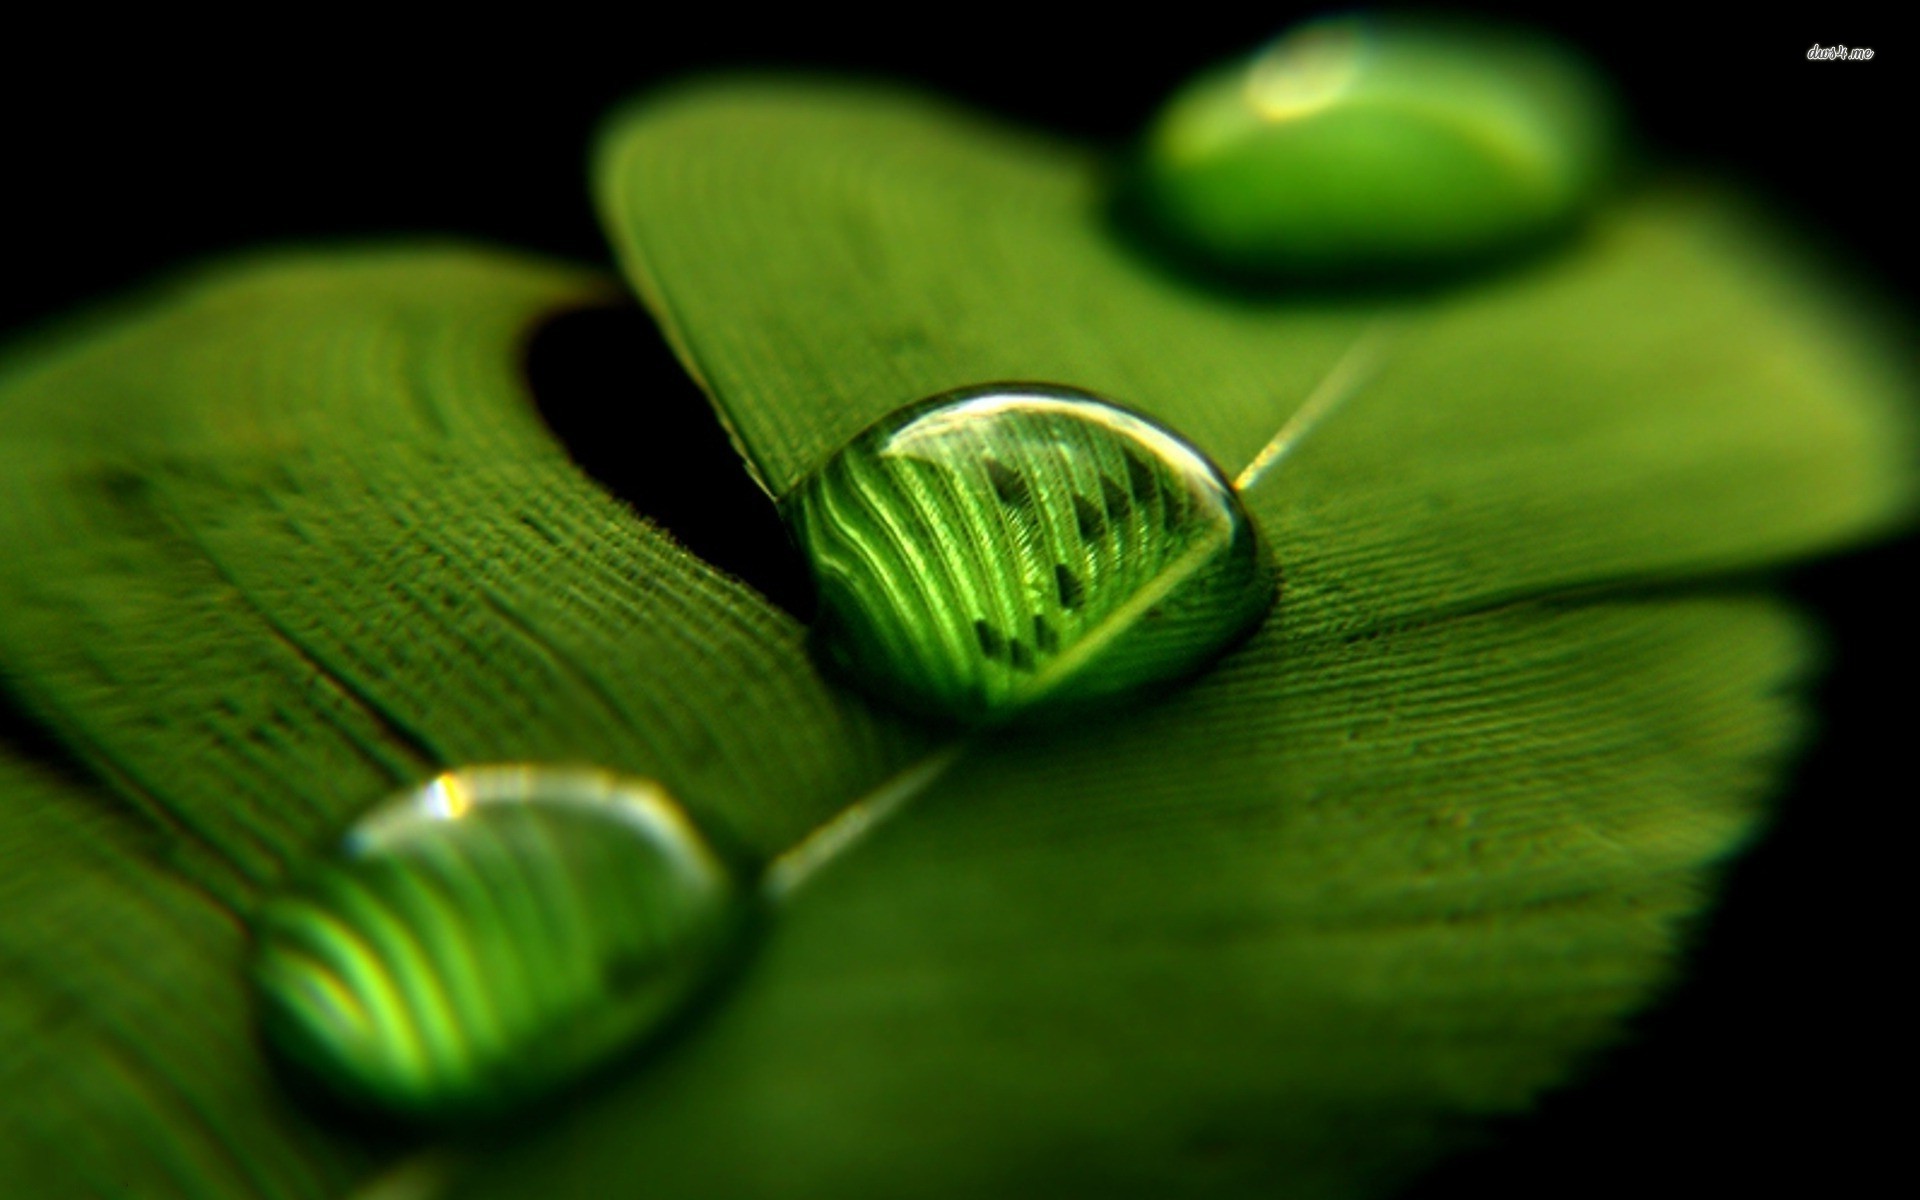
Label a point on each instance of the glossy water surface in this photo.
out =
(491, 935)
(1372, 145)
(1017, 549)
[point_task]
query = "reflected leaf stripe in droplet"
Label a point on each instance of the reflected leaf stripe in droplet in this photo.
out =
(334, 947)
(444, 1019)
(493, 1001)
(1136, 552)
(405, 962)
(1022, 527)
(557, 920)
(532, 956)
(992, 541)
(440, 1015)
(442, 1001)
(942, 505)
(934, 574)
(884, 556)
(1050, 461)
(942, 502)
(1128, 554)
(927, 495)
(348, 944)
(324, 995)
(551, 922)
(1062, 542)
(997, 534)
(837, 576)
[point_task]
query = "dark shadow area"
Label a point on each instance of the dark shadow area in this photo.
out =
(612, 391)
(26, 739)
(388, 1139)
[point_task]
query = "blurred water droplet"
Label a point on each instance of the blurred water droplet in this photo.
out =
(483, 939)
(1369, 145)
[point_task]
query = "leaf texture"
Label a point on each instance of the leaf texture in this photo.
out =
(286, 535)
(1410, 856)
(125, 1037)
(1673, 393)
(1283, 933)
(279, 540)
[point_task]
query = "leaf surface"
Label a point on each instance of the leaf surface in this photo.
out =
(1674, 393)
(1286, 932)
(280, 539)
(1412, 854)
(287, 535)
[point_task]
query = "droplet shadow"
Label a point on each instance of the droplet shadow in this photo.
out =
(25, 737)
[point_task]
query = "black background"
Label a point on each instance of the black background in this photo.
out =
(131, 148)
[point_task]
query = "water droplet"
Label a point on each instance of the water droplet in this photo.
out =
(481, 940)
(1372, 145)
(951, 588)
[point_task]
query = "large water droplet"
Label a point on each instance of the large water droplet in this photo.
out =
(485, 938)
(1374, 145)
(1025, 548)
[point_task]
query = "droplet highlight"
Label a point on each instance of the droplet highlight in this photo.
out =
(1378, 145)
(994, 552)
(477, 942)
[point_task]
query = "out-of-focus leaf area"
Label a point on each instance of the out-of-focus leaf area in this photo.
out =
(1534, 843)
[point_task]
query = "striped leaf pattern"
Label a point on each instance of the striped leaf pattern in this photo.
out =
(1018, 548)
(491, 935)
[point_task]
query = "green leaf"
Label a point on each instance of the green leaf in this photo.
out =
(1279, 935)
(125, 1040)
(281, 538)
(288, 534)
(1284, 930)
(1672, 394)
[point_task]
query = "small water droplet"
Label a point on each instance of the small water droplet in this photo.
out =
(931, 574)
(481, 940)
(1372, 145)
